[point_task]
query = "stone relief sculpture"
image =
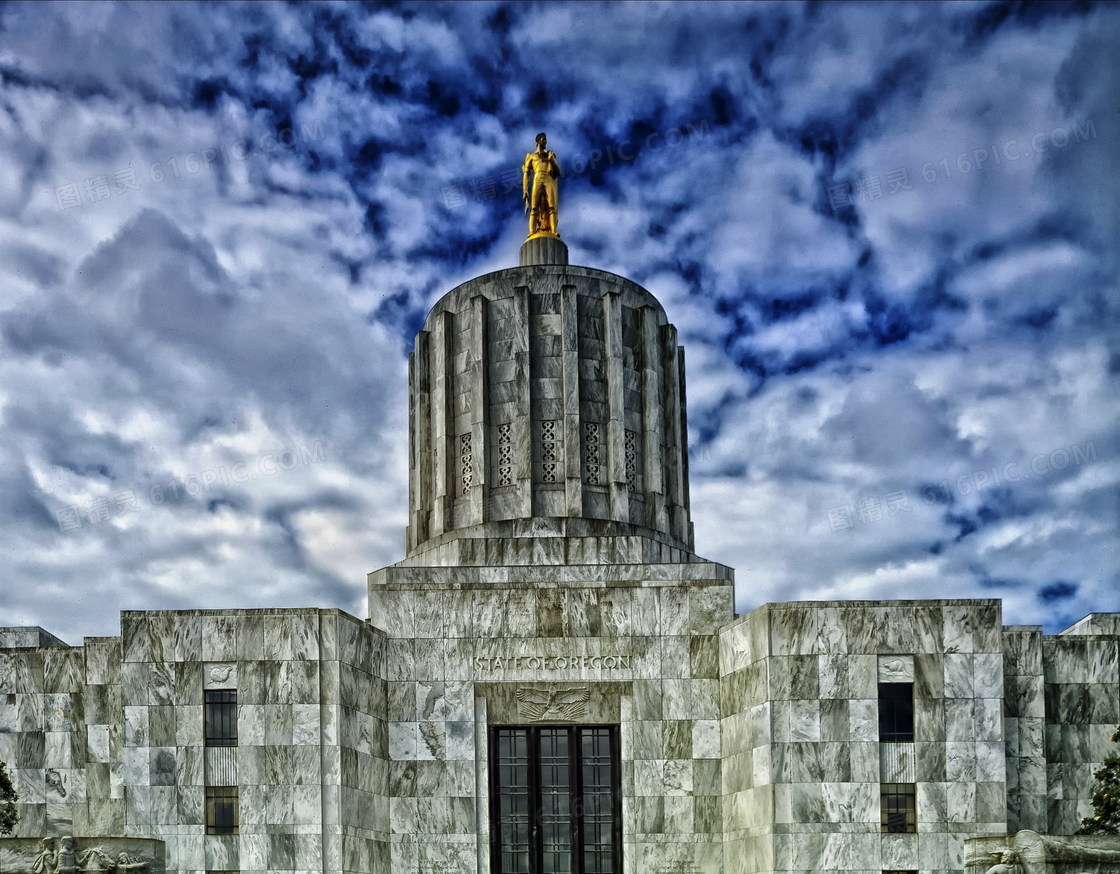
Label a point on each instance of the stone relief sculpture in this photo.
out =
(1032, 846)
(541, 202)
(125, 862)
(538, 705)
(68, 856)
(1028, 852)
(66, 859)
(1007, 864)
(893, 667)
(219, 675)
(46, 861)
(54, 781)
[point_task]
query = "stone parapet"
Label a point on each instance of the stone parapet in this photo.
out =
(20, 637)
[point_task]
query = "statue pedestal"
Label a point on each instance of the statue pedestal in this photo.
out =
(543, 249)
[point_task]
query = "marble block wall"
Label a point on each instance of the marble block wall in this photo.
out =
(1081, 671)
(641, 639)
(802, 758)
(43, 737)
(107, 738)
(749, 744)
(1024, 723)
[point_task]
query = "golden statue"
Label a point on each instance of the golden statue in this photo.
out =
(542, 203)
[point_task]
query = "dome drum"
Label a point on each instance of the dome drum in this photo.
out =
(548, 392)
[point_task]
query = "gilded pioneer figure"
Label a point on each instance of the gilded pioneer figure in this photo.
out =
(541, 200)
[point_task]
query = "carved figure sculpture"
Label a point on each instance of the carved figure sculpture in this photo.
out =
(54, 781)
(1008, 864)
(95, 859)
(1031, 847)
(541, 202)
(66, 860)
(125, 862)
(46, 861)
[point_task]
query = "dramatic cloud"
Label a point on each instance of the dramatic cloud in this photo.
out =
(886, 232)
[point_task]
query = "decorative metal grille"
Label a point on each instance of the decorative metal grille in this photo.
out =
(549, 451)
(466, 462)
(220, 718)
(899, 807)
(591, 451)
(221, 810)
(555, 800)
(630, 446)
(505, 454)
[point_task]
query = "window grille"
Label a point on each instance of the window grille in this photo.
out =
(221, 810)
(555, 800)
(899, 807)
(220, 717)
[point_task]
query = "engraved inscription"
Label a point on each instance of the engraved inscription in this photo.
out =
(553, 663)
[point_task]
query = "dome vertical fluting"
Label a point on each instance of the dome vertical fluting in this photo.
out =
(547, 406)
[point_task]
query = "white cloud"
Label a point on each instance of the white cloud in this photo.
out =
(210, 317)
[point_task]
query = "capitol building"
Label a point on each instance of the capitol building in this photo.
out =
(551, 679)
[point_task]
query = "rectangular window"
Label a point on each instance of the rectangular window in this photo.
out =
(899, 808)
(220, 718)
(555, 804)
(221, 810)
(896, 712)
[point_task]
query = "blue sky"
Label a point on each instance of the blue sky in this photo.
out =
(886, 232)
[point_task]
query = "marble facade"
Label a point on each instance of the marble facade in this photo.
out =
(549, 579)
(106, 739)
(749, 746)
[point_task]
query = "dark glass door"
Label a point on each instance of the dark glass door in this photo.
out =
(554, 800)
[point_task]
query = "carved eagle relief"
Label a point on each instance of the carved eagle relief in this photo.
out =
(538, 705)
